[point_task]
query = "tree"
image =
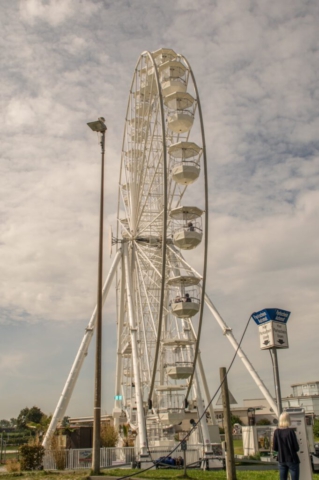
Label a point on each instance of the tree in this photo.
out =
(29, 415)
(65, 422)
(13, 422)
(39, 428)
(316, 428)
(4, 423)
(235, 419)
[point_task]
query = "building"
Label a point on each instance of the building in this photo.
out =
(258, 406)
(304, 395)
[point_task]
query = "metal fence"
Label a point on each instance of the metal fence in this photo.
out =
(74, 459)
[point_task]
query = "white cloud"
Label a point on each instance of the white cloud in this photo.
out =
(53, 12)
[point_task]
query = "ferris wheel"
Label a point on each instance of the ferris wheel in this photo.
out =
(160, 263)
(162, 218)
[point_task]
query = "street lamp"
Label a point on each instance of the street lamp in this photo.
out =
(100, 127)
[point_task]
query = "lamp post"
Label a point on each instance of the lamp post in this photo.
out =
(100, 127)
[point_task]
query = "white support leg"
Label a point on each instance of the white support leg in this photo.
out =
(117, 410)
(76, 367)
(229, 334)
(138, 391)
(204, 380)
(200, 410)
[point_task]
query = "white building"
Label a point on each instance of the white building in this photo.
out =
(306, 396)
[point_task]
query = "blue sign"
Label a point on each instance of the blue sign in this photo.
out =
(118, 397)
(271, 314)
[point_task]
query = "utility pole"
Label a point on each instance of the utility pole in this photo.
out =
(100, 127)
(230, 459)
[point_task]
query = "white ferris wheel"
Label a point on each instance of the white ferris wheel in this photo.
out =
(162, 219)
(160, 263)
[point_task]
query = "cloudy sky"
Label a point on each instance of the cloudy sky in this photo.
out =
(66, 62)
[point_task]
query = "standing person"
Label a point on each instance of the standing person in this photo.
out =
(286, 444)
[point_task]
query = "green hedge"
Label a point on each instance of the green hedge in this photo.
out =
(31, 456)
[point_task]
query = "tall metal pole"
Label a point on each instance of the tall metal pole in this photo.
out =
(230, 459)
(273, 352)
(98, 353)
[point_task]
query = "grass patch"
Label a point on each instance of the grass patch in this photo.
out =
(238, 447)
(46, 475)
(164, 474)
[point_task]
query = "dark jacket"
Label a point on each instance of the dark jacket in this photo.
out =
(286, 444)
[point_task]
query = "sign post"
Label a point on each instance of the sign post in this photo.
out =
(184, 448)
(272, 326)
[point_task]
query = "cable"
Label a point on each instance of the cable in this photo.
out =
(204, 413)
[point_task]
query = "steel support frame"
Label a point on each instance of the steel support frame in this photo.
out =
(135, 357)
(118, 387)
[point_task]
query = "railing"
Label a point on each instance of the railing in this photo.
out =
(184, 299)
(182, 161)
(82, 458)
(75, 459)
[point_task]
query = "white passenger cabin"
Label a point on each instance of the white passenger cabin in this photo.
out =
(142, 103)
(170, 403)
(180, 116)
(163, 55)
(187, 227)
(178, 355)
(172, 77)
(185, 158)
(185, 302)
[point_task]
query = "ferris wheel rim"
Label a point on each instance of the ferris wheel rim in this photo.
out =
(206, 214)
(166, 208)
(165, 202)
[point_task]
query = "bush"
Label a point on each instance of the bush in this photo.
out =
(316, 428)
(59, 454)
(13, 466)
(31, 456)
(109, 436)
(263, 421)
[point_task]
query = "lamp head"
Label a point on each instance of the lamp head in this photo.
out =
(98, 125)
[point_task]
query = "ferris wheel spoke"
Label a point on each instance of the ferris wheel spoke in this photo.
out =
(180, 257)
(141, 278)
(142, 207)
(153, 284)
(141, 316)
(148, 260)
(149, 146)
(148, 225)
